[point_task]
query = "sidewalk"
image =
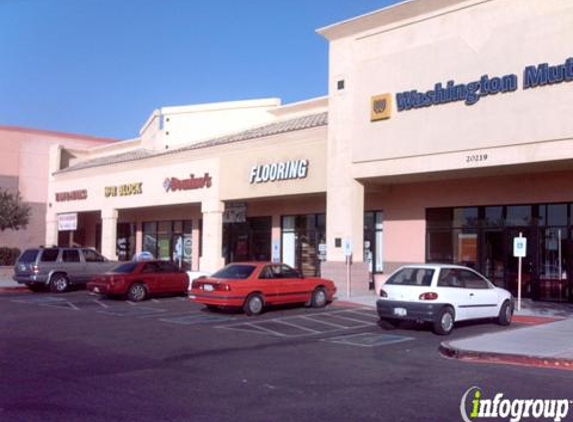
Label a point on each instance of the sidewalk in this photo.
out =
(547, 341)
(6, 282)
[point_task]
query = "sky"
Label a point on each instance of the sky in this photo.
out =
(100, 67)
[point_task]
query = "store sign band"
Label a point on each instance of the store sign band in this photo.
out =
(74, 195)
(174, 184)
(286, 170)
(127, 189)
(470, 93)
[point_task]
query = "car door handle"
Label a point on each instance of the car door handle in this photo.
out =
(471, 294)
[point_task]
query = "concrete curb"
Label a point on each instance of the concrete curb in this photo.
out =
(14, 289)
(348, 304)
(448, 351)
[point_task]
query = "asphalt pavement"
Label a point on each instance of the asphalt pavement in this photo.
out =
(79, 357)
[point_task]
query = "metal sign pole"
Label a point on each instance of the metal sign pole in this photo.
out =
(519, 279)
(348, 292)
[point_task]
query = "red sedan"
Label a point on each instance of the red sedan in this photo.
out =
(252, 285)
(138, 280)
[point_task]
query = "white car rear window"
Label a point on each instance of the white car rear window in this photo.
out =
(412, 277)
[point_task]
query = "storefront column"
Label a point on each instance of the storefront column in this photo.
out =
(138, 237)
(195, 241)
(51, 230)
(345, 223)
(212, 247)
(109, 233)
(276, 238)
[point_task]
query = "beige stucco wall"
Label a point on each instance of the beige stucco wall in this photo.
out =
(184, 125)
(494, 38)
(24, 164)
(417, 44)
(459, 43)
(237, 162)
(151, 175)
(229, 167)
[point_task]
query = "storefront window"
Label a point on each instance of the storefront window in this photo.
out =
(465, 247)
(125, 244)
(553, 269)
(518, 215)
(482, 237)
(373, 241)
(494, 216)
(553, 215)
(150, 238)
(248, 241)
(465, 217)
(170, 241)
(304, 242)
(457, 245)
(439, 218)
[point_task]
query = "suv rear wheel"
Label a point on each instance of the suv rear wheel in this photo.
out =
(59, 283)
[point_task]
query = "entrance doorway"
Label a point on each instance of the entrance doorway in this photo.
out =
(555, 257)
(547, 269)
(249, 241)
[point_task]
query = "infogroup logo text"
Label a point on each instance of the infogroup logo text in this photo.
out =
(474, 407)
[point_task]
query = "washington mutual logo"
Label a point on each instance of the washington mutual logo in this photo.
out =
(474, 407)
(380, 107)
(470, 93)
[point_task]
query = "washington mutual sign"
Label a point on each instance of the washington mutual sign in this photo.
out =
(470, 93)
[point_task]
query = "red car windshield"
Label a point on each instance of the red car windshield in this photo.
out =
(235, 272)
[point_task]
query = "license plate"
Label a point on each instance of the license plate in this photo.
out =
(208, 287)
(400, 312)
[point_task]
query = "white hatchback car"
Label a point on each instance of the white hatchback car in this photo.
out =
(442, 294)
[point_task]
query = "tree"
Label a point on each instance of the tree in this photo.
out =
(14, 212)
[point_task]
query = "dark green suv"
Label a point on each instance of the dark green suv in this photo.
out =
(58, 268)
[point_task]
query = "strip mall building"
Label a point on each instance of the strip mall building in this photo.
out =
(446, 133)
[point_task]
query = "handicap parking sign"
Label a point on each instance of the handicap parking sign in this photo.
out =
(519, 247)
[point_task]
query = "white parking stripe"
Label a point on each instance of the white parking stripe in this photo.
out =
(310, 330)
(258, 327)
(320, 321)
(101, 304)
(353, 319)
(130, 302)
(370, 315)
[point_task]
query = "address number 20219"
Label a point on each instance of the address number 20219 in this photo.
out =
(476, 158)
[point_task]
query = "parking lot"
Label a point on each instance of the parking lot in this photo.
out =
(76, 356)
(334, 324)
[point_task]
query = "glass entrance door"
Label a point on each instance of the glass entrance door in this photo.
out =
(249, 241)
(181, 248)
(554, 257)
(494, 262)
